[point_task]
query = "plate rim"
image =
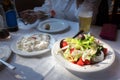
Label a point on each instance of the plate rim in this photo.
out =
(30, 54)
(9, 52)
(53, 31)
(28, 26)
(58, 58)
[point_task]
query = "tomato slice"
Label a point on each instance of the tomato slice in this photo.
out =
(64, 43)
(80, 62)
(105, 51)
(71, 50)
(87, 62)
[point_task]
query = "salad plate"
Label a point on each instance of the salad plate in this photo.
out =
(108, 61)
(5, 52)
(52, 26)
(33, 44)
(22, 25)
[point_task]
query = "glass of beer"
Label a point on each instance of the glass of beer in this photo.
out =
(85, 19)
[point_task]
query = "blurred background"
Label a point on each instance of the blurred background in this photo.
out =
(109, 10)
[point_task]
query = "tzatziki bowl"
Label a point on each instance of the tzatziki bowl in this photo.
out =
(33, 44)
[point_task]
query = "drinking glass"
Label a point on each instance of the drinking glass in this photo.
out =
(85, 19)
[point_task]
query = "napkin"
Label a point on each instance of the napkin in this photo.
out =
(109, 32)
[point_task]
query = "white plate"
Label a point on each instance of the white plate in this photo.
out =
(33, 53)
(56, 25)
(87, 68)
(27, 26)
(5, 52)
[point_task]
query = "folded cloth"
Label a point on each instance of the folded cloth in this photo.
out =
(109, 32)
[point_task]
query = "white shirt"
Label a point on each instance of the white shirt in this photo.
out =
(70, 14)
(59, 6)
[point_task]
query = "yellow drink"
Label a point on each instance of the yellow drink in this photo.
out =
(85, 19)
(85, 23)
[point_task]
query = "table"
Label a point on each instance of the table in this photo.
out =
(44, 67)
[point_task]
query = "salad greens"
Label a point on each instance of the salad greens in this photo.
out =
(83, 50)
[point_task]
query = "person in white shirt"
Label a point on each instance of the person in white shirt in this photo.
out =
(66, 9)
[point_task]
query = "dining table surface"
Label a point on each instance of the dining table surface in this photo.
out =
(44, 66)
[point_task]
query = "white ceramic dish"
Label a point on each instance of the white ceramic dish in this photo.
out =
(27, 26)
(5, 52)
(56, 25)
(87, 68)
(33, 53)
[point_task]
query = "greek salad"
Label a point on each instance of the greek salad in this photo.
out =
(83, 50)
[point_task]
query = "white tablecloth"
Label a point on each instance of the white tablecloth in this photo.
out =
(111, 73)
(34, 68)
(45, 67)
